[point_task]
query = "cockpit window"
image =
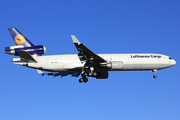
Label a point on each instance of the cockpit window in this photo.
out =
(170, 58)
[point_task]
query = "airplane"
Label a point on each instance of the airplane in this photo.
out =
(86, 63)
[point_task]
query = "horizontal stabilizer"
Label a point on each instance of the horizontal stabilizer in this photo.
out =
(25, 56)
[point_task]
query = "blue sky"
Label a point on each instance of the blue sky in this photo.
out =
(104, 26)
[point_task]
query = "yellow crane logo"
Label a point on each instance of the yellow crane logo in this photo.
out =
(19, 39)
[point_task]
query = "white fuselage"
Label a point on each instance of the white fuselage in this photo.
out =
(71, 62)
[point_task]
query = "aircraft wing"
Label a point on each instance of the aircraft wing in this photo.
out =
(86, 54)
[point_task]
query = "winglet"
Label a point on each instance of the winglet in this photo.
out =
(75, 40)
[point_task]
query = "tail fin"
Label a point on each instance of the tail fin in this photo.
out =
(22, 43)
(19, 38)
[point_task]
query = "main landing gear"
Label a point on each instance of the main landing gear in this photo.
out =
(84, 78)
(154, 72)
(86, 75)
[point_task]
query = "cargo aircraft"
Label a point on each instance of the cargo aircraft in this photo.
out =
(86, 63)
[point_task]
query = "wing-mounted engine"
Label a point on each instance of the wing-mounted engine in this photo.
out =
(34, 50)
(112, 65)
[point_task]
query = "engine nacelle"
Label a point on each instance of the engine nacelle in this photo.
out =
(14, 50)
(101, 75)
(112, 65)
(116, 65)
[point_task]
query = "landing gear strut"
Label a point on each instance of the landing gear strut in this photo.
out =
(154, 72)
(87, 71)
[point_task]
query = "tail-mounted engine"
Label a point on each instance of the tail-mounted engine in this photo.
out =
(22, 43)
(34, 50)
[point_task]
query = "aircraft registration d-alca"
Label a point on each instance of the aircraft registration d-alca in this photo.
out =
(86, 63)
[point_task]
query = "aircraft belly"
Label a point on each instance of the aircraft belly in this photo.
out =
(71, 66)
(138, 67)
(60, 66)
(60, 63)
(144, 66)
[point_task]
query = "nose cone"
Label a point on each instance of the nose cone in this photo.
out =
(173, 62)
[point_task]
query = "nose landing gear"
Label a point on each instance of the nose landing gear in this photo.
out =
(154, 72)
(154, 76)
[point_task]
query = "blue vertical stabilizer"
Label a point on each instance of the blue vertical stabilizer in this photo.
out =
(19, 38)
(23, 44)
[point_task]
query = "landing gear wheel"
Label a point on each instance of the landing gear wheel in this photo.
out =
(154, 72)
(85, 80)
(84, 76)
(94, 74)
(81, 80)
(154, 76)
(90, 74)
